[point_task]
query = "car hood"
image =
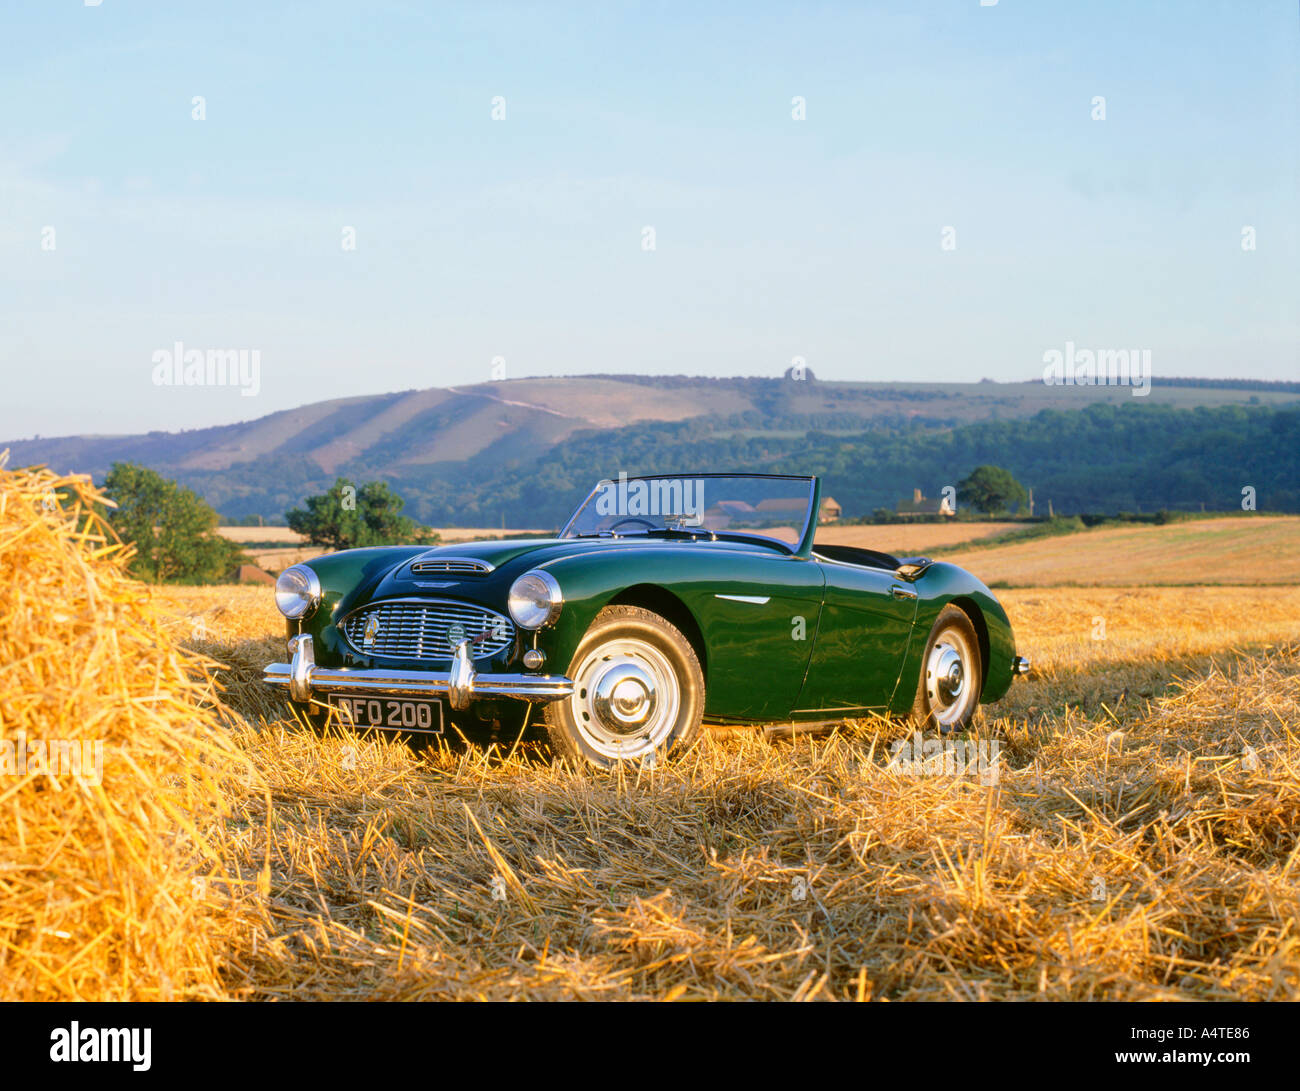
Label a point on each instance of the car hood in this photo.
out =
(501, 553)
(511, 558)
(540, 550)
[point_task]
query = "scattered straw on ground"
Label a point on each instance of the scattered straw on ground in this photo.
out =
(1139, 841)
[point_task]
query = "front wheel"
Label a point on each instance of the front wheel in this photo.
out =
(638, 691)
(952, 674)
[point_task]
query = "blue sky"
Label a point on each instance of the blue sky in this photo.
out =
(523, 238)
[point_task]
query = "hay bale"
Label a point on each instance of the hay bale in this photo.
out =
(111, 760)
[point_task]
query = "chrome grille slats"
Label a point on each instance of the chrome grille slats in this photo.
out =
(421, 629)
(458, 566)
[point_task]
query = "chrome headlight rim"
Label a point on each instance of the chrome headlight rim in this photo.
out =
(539, 616)
(294, 599)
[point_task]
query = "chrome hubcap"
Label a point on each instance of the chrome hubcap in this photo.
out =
(626, 698)
(948, 673)
(947, 668)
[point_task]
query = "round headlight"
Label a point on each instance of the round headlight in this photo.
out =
(297, 591)
(535, 600)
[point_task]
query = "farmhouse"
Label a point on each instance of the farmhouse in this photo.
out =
(783, 504)
(919, 506)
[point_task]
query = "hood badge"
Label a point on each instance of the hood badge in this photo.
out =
(372, 631)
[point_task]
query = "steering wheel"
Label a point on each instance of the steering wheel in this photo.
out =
(649, 524)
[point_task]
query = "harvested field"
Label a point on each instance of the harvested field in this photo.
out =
(290, 548)
(277, 535)
(903, 539)
(1261, 549)
(277, 560)
(1138, 841)
(283, 536)
(910, 539)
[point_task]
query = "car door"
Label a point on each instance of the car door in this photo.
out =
(866, 622)
(757, 616)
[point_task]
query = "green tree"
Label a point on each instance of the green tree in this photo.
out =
(172, 529)
(347, 517)
(990, 489)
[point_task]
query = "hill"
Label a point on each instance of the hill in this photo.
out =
(1098, 459)
(466, 455)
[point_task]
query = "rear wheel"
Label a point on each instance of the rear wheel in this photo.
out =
(638, 691)
(952, 673)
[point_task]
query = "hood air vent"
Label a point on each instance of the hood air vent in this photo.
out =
(451, 566)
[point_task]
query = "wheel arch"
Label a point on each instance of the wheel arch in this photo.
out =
(971, 609)
(947, 585)
(661, 601)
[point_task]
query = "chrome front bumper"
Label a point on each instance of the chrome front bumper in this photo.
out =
(460, 685)
(1019, 665)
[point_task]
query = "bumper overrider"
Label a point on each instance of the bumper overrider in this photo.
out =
(460, 685)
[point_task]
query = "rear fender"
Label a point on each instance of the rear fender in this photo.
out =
(938, 586)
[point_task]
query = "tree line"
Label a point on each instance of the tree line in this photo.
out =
(1100, 459)
(1103, 458)
(174, 531)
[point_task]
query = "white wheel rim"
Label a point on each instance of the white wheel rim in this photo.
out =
(626, 697)
(950, 684)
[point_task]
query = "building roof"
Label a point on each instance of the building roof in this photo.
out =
(250, 573)
(925, 506)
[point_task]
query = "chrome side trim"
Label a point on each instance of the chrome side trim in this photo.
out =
(753, 600)
(461, 685)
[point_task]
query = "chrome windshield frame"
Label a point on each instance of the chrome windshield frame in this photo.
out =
(748, 532)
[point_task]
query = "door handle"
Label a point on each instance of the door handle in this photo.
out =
(901, 592)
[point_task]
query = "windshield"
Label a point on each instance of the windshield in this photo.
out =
(769, 507)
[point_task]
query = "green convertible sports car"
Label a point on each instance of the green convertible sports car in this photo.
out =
(665, 602)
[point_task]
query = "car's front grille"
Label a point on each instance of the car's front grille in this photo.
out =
(456, 566)
(426, 629)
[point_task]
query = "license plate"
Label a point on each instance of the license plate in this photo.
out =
(389, 713)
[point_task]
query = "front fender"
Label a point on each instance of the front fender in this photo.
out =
(756, 615)
(588, 583)
(346, 578)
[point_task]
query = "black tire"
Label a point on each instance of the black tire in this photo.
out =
(946, 701)
(638, 692)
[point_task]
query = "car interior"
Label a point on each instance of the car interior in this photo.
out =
(864, 558)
